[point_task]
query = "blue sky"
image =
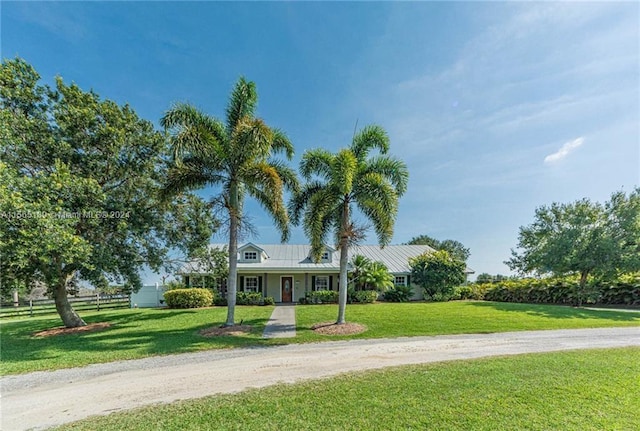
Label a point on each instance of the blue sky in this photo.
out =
(497, 108)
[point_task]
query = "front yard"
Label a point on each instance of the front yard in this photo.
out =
(580, 390)
(147, 332)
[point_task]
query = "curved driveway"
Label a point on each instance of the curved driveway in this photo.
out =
(44, 399)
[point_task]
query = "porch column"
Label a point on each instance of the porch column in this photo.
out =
(264, 286)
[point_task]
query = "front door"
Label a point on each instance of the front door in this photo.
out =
(286, 286)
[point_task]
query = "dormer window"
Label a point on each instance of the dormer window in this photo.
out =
(250, 255)
(325, 256)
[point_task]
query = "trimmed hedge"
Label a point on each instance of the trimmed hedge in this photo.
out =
(332, 296)
(188, 298)
(245, 298)
(322, 297)
(624, 291)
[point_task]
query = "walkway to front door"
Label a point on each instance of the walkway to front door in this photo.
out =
(282, 323)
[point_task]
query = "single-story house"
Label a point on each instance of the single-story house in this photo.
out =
(286, 272)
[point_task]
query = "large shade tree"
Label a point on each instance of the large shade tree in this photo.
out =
(583, 238)
(236, 158)
(79, 190)
(336, 183)
(455, 248)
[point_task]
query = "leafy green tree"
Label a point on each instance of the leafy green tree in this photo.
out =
(484, 278)
(338, 182)
(236, 157)
(582, 238)
(455, 248)
(215, 263)
(437, 272)
(80, 183)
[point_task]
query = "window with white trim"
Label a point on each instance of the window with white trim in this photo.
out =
(250, 255)
(322, 282)
(251, 284)
(400, 280)
(325, 256)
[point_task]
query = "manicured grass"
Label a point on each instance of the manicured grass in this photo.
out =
(579, 390)
(148, 332)
(134, 334)
(456, 317)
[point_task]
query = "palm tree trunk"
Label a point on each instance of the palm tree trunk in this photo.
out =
(344, 259)
(68, 315)
(233, 254)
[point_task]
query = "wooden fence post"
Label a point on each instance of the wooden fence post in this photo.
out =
(98, 301)
(31, 308)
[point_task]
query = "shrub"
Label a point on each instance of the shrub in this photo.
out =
(268, 300)
(398, 294)
(244, 298)
(566, 290)
(366, 296)
(219, 300)
(173, 285)
(472, 291)
(439, 297)
(188, 298)
(322, 297)
(249, 298)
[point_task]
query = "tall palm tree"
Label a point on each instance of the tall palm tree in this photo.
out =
(338, 182)
(236, 157)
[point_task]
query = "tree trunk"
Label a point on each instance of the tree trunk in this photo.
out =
(233, 254)
(68, 315)
(344, 259)
(583, 283)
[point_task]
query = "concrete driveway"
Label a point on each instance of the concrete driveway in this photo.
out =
(43, 399)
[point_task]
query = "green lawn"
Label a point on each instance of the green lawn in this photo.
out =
(457, 317)
(134, 334)
(146, 332)
(579, 390)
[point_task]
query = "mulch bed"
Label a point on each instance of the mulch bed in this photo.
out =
(216, 331)
(80, 329)
(331, 328)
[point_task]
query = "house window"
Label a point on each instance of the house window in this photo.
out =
(325, 256)
(251, 284)
(322, 283)
(400, 280)
(250, 255)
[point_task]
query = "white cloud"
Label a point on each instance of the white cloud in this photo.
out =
(564, 151)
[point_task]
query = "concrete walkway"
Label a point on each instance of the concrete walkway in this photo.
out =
(282, 323)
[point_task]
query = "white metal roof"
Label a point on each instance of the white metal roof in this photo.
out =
(295, 257)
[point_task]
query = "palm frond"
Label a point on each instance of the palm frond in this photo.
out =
(281, 143)
(300, 200)
(391, 168)
(369, 138)
(343, 171)
(193, 132)
(192, 174)
(318, 162)
(319, 219)
(251, 140)
(288, 175)
(242, 103)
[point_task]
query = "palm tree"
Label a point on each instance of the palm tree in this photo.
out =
(337, 182)
(359, 267)
(236, 157)
(378, 277)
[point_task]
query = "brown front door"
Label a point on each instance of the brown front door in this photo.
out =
(286, 286)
